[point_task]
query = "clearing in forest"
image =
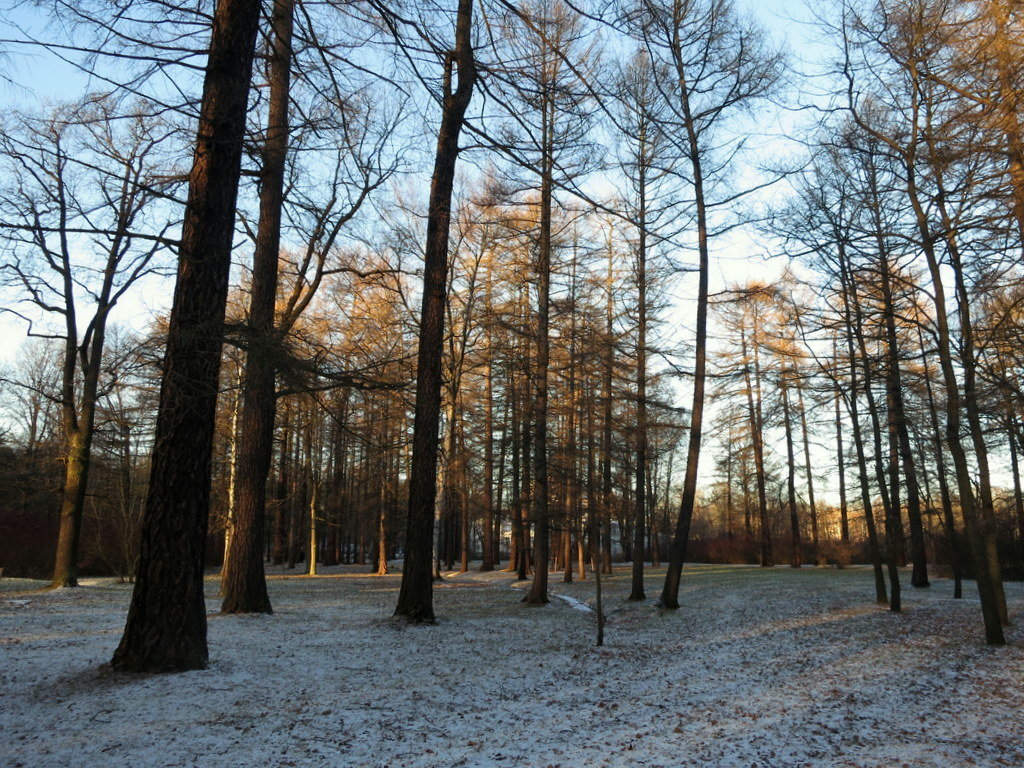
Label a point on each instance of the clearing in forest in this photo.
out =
(759, 668)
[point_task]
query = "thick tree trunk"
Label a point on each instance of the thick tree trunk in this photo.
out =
(166, 626)
(72, 504)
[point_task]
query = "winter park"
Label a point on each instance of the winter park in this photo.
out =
(758, 668)
(512, 383)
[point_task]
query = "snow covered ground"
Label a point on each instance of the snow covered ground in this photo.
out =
(759, 669)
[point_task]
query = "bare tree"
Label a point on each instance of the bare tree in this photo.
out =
(716, 67)
(80, 184)
(166, 626)
(415, 599)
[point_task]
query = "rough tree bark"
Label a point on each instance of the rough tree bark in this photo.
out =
(166, 626)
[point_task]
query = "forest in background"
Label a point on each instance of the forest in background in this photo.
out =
(884, 364)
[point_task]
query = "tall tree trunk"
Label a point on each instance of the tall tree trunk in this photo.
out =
(796, 557)
(607, 398)
(993, 606)
(893, 523)
(515, 513)
(844, 512)
(279, 550)
(464, 540)
(881, 594)
(538, 594)
(894, 384)
(1018, 496)
(867, 364)
(166, 626)
(245, 586)
(229, 523)
(297, 498)
(525, 443)
(677, 551)
(756, 421)
(381, 567)
(312, 539)
(810, 475)
(487, 561)
(640, 521)
(415, 599)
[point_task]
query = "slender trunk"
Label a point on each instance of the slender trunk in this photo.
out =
(993, 606)
(381, 568)
(893, 523)
(571, 519)
(1018, 496)
(415, 599)
(756, 421)
(297, 499)
(897, 414)
(244, 586)
(606, 424)
(640, 521)
(867, 366)
(844, 513)
(516, 503)
(730, 532)
(538, 594)
(311, 552)
(524, 494)
(810, 475)
(499, 498)
(279, 549)
(677, 551)
(595, 507)
(881, 594)
(796, 559)
(487, 561)
(464, 542)
(949, 521)
(229, 522)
